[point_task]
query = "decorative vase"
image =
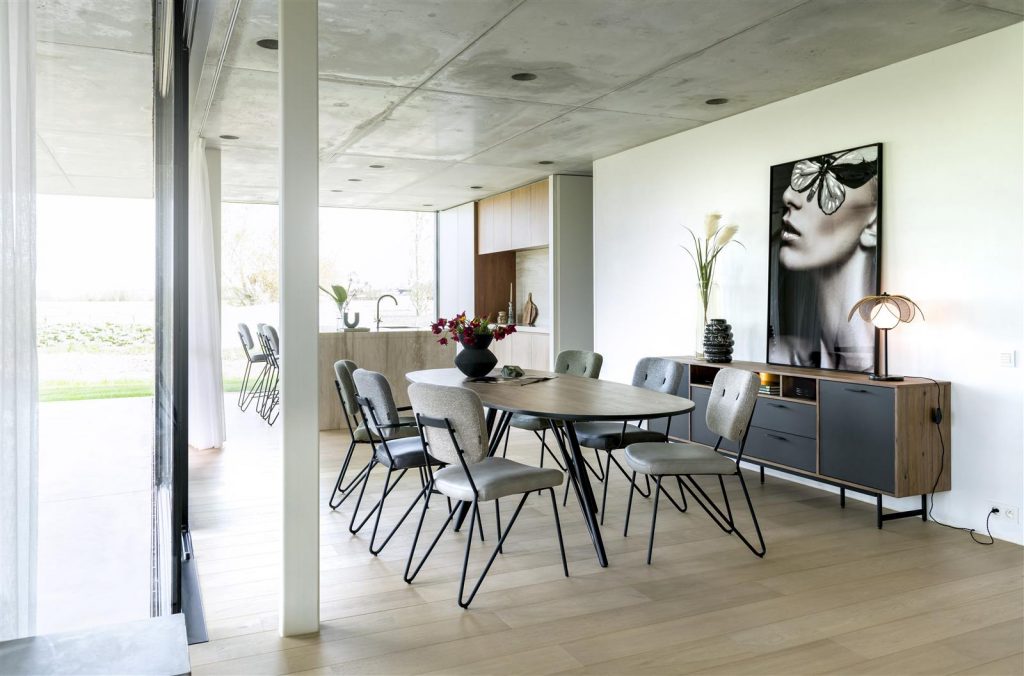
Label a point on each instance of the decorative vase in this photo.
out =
(476, 360)
(704, 310)
(718, 342)
(530, 310)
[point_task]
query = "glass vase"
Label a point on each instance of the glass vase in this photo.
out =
(702, 313)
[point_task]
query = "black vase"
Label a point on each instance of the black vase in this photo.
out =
(718, 342)
(476, 360)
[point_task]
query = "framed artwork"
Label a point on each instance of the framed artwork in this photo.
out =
(824, 255)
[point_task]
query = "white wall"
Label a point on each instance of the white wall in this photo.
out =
(456, 251)
(951, 124)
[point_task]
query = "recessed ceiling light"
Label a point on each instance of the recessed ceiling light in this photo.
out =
(355, 180)
(267, 43)
(716, 102)
(545, 162)
(376, 166)
(337, 190)
(229, 137)
(476, 187)
(524, 77)
(428, 205)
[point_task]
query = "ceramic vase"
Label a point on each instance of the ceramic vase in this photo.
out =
(718, 342)
(476, 360)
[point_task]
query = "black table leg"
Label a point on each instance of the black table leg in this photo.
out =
(573, 457)
(495, 444)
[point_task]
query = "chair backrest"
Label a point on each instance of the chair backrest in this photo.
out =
(579, 363)
(463, 410)
(731, 404)
(660, 375)
(375, 388)
(343, 370)
(272, 340)
(245, 336)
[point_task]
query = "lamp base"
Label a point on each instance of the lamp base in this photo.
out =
(885, 378)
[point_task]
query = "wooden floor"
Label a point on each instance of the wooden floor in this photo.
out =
(834, 594)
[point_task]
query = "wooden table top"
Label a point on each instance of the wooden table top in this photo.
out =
(564, 397)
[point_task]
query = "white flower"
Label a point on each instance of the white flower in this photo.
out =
(711, 224)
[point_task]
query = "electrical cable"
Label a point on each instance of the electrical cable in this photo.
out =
(937, 420)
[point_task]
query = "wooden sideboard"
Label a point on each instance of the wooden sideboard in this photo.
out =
(840, 428)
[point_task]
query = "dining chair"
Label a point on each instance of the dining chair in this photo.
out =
(651, 373)
(248, 391)
(357, 431)
(730, 407)
(453, 430)
(583, 363)
(271, 346)
(396, 446)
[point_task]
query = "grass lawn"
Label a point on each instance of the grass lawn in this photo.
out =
(73, 390)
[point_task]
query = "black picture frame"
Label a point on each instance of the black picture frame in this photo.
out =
(819, 263)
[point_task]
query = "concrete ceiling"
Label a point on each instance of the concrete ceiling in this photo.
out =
(424, 88)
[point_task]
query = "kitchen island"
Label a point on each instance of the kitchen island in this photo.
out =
(393, 352)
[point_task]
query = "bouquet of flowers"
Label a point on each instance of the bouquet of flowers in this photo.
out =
(476, 332)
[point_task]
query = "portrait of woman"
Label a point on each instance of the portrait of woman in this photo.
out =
(824, 257)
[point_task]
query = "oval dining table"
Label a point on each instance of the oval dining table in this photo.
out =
(563, 400)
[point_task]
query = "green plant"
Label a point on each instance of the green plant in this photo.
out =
(705, 253)
(338, 294)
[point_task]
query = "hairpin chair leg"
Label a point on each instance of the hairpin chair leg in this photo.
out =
(497, 519)
(377, 550)
(464, 602)
(542, 436)
(245, 382)
(347, 490)
(378, 506)
(407, 576)
(558, 529)
(725, 520)
(654, 518)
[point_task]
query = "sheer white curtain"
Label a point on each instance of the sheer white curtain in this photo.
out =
(19, 407)
(205, 377)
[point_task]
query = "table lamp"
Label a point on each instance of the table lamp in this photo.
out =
(885, 312)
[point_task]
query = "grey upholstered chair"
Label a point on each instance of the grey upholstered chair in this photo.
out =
(396, 446)
(453, 429)
(730, 407)
(651, 373)
(271, 345)
(250, 390)
(583, 363)
(357, 431)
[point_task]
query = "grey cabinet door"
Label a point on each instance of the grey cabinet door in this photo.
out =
(857, 440)
(681, 423)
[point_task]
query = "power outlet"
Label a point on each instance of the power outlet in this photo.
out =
(1005, 513)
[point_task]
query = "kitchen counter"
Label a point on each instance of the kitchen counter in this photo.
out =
(393, 352)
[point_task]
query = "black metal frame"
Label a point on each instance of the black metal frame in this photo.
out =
(724, 520)
(370, 415)
(270, 395)
(347, 490)
(445, 423)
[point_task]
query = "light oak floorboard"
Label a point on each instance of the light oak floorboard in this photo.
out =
(833, 595)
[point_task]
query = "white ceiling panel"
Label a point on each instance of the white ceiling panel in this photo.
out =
(124, 25)
(582, 49)
(812, 46)
(83, 89)
(101, 155)
(433, 125)
(375, 175)
(576, 139)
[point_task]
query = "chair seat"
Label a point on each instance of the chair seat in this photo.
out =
(607, 436)
(405, 454)
(361, 434)
(495, 478)
(681, 458)
(522, 421)
(257, 357)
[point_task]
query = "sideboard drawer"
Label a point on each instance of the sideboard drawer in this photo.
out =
(786, 416)
(790, 450)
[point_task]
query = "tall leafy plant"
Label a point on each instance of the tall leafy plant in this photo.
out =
(705, 252)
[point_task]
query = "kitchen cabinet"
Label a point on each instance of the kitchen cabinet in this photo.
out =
(517, 219)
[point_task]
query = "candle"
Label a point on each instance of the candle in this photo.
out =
(510, 293)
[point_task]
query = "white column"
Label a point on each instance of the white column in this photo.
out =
(299, 333)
